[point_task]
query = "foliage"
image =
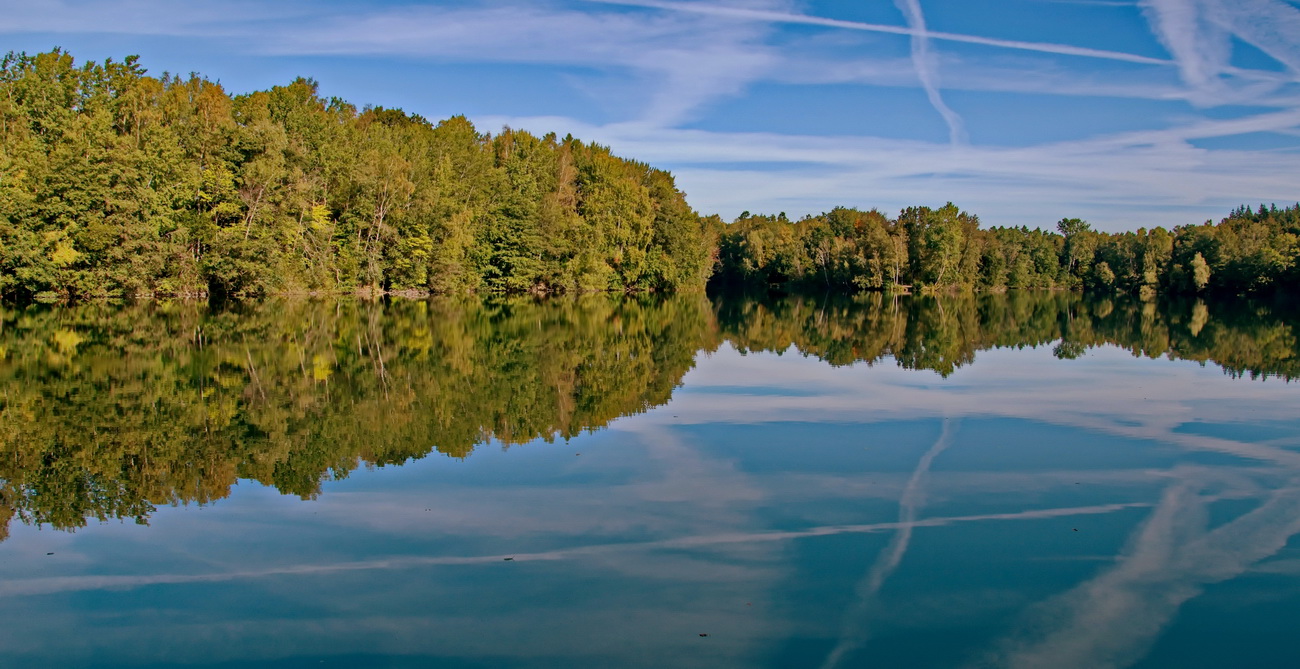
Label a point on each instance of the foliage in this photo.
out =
(115, 183)
(848, 250)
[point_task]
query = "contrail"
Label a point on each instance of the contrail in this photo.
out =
(1272, 26)
(54, 584)
(1198, 35)
(1113, 619)
(803, 19)
(925, 70)
(1200, 50)
(854, 632)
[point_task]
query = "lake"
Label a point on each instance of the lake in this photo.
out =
(1031, 479)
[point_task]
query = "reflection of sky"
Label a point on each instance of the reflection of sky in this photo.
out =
(1031, 511)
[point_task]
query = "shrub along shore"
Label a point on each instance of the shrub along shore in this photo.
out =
(117, 183)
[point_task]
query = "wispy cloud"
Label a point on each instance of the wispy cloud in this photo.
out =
(1111, 620)
(1092, 3)
(683, 61)
(1201, 50)
(993, 76)
(927, 70)
(766, 15)
(1271, 26)
(688, 61)
(1198, 35)
(855, 630)
(201, 18)
(1162, 175)
(669, 63)
(48, 585)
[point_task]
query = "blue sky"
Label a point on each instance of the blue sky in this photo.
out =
(1126, 113)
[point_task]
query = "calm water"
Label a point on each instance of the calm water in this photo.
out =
(1024, 480)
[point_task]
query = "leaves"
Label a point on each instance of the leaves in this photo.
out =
(850, 250)
(114, 183)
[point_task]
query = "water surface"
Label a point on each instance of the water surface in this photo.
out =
(1031, 479)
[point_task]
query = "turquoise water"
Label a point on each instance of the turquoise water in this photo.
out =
(636, 491)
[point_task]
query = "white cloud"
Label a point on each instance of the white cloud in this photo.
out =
(927, 69)
(39, 585)
(1270, 25)
(1112, 620)
(678, 58)
(1198, 35)
(201, 18)
(771, 16)
(855, 629)
(685, 60)
(1119, 181)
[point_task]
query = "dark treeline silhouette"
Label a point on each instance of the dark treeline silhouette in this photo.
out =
(108, 411)
(1251, 250)
(115, 183)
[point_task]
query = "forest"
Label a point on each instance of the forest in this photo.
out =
(1249, 251)
(114, 183)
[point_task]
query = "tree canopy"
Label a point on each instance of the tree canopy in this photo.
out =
(116, 183)
(1249, 251)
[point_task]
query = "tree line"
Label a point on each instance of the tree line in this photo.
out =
(116, 183)
(1251, 250)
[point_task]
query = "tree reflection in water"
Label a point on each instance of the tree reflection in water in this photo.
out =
(107, 411)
